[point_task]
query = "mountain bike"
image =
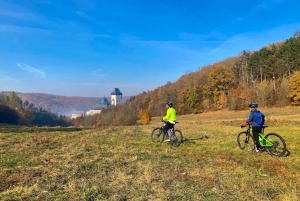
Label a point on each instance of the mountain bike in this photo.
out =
(273, 143)
(158, 135)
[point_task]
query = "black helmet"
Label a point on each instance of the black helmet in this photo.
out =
(170, 104)
(253, 105)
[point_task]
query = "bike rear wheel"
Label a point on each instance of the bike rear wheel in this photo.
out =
(157, 135)
(176, 139)
(275, 144)
(245, 141)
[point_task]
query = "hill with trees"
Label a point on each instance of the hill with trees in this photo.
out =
(269, 76)
(14, 111)
(61, 105)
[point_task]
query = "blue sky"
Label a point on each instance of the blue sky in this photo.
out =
(89, 47)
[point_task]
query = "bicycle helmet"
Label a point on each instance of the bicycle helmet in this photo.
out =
(253, 105)
(170, 104)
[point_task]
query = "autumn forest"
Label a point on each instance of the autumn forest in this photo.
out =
(269, 76)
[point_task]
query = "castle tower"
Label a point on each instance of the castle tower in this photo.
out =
(116, 97)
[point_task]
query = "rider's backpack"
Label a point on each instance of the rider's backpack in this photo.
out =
(260, 118)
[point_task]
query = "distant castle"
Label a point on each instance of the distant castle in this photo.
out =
(115, 99)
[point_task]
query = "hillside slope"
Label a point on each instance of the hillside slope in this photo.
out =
(121, 162)
(62, 105)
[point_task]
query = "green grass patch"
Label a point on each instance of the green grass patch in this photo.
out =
(122, 163)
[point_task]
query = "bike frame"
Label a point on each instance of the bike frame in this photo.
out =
(262, 140)
(158, 135)
(170, 131)
(275, 146)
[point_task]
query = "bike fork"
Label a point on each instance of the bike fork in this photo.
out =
(247, 139)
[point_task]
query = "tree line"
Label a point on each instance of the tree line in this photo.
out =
(14, 111)
(269, 76)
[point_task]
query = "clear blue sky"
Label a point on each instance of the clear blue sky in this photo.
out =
(89, 47)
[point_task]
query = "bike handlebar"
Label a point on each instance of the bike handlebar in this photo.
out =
(249, 125)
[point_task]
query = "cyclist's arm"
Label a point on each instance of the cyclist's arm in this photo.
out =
(167, 117)
(250, 119)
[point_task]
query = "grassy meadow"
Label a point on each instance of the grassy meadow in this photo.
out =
(121, 163)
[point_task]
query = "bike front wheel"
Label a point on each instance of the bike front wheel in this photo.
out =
(245, 141)
(157, 135)
(275, 144)
(176, 138)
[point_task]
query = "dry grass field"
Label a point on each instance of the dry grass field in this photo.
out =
(121, 163)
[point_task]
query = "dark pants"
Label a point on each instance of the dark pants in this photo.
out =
(167, 127)
(255, 132)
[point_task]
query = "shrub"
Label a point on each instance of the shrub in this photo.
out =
(145, 116)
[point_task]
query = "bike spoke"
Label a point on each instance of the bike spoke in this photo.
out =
(275, 144)
(245, 141)
(176, 138)
(157, 135)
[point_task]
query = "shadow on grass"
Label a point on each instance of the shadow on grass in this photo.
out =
(192, 140)
(287, 153)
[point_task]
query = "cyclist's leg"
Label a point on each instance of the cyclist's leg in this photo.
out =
(172, 129)
(255, 132)
(166, 128)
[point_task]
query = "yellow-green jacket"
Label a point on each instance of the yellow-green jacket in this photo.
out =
(171, 115)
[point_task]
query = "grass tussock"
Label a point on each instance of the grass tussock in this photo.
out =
(121, 163)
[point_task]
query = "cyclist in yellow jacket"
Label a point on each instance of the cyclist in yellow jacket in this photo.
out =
(170, 118)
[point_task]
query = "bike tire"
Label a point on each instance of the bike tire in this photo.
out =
(245, 141)
(278, 148)
(177, 140)
(157, 135)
